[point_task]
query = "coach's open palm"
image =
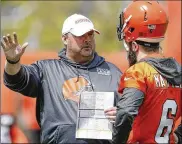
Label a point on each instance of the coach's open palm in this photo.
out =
(12, 49)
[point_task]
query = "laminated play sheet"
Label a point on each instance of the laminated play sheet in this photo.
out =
(91, 121)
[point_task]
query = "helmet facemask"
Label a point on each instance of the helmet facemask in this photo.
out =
(122, 24)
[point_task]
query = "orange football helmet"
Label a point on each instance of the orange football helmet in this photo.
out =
(143, 21)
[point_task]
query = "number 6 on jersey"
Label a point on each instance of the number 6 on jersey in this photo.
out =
(166, 123)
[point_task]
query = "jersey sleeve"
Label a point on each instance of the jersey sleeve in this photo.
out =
(134, 77)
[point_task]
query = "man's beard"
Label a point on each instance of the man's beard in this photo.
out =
(132, 57)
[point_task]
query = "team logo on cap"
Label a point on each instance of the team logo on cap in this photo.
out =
(81, 20)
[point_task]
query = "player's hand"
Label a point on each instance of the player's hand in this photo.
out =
(12, 49)
(111, 114)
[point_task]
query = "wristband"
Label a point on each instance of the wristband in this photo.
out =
(13, 62)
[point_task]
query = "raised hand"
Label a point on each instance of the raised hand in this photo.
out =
(12, 49)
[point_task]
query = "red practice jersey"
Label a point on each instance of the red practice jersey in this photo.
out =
(161, 106)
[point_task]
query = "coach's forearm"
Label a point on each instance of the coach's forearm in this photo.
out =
(12, 69)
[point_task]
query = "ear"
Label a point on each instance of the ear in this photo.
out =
(135, 46)
(65, 39)
(161, 50)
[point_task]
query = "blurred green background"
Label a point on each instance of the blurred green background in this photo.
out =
(40, 22)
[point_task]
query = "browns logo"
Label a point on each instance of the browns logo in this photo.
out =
(81, 20)
(73, 87)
